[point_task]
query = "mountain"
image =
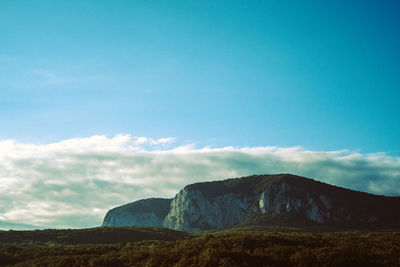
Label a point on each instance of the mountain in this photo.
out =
(145, 212)
(6, 225)
(283, 200)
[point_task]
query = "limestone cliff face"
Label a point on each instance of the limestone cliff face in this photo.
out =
(145, 212)
(128, 218)
(192, 211)
(324, 206)
(288, 200)
(263, 199)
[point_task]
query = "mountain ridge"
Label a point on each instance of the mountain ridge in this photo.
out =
(281, 199)
(7, 225)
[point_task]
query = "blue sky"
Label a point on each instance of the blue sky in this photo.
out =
(322, 75)
(136, 99)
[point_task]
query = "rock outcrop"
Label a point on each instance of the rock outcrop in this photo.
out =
(278, 200)
(192, 211)
(145, 212)
(269, 200)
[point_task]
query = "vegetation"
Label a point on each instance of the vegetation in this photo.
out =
(98, 235)
(253, 184)
(246, 246)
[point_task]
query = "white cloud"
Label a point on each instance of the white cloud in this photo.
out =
(74, 182)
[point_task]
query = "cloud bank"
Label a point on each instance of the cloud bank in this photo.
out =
(73, 183)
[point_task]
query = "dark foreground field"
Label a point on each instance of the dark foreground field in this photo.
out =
(250, 246)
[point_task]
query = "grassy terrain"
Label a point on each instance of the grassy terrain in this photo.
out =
(98, 235)
(240, 246)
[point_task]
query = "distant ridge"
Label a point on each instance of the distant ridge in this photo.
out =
(6, 225)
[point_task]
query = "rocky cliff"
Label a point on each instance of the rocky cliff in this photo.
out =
(275, 200)
(145, 212)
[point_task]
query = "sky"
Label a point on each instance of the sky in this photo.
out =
(134, 99)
